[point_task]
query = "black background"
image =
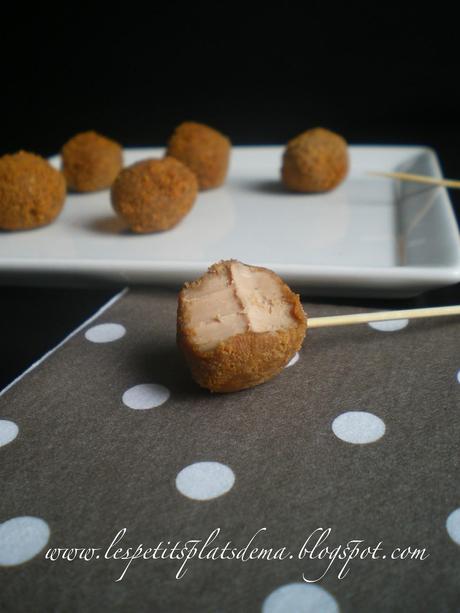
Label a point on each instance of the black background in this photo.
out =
(383, 74)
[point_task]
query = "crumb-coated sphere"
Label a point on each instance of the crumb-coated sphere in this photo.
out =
(91, 162)
(204, 150)
(315, 161)
(32, 192)
(154, 195)
(238, 326)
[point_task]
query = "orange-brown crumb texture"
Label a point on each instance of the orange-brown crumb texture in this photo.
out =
(315, 161)
(154, 195)
(32, 192)
(91, 162)
(204, 150)
(247, 359)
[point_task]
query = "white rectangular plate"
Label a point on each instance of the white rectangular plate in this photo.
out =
(371, 236)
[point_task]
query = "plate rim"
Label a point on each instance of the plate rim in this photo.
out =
(340, 276)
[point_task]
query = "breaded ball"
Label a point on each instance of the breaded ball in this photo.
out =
(315, 161)
(204, 150)
(154, 195)
(238, 326)
(91, 162)
(32, 192)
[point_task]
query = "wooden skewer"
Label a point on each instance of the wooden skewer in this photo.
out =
(406, 176)
(363, 318)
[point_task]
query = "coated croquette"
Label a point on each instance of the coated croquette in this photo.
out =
(238, 326)
(204, 150)
(315, 161)
(32, 192)
(91, 162)
(154, 195)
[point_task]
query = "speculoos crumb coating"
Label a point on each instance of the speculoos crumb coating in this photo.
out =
(246, 359)
(204, 150)
(32, 192)
(315, 161)
(91, 162)
(154, 195)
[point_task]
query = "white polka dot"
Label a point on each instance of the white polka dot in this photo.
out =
(458, 376)
(8, 431)
(358, 427)
(293, 360)
(205, 480)
(453, 526)
(392, 325)
(145, 396)
(300, 598)
(105, 333)
(21, 538)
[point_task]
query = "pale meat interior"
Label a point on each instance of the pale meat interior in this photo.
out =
(235, 299)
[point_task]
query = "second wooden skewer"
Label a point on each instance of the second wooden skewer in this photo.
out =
(406, 176)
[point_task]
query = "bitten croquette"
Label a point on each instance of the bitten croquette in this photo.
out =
(315, 161)
(32, 192)
(238, 326)
(91, 162)
(204, 150)
(154, 195)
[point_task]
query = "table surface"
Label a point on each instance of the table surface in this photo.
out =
(358, 436)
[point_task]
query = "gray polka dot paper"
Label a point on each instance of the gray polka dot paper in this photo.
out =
(108, 447)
